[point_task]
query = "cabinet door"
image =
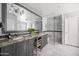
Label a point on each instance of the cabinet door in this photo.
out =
(5, 51)
(31, 47)
(26, 47)
(8, 50)
(20, 49)
(43, 41)
(12, 50)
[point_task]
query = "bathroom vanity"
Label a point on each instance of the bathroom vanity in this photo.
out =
(23, 45)
(17, 18)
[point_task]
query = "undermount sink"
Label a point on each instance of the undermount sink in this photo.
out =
(27, 35)
(18, 38)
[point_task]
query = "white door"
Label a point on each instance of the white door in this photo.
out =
(71, 31)
(66, 30)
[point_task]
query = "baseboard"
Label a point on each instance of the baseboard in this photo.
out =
(72, 45)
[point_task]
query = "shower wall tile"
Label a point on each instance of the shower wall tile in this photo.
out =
(58, 23)
(51, 39)
(48, 24)
(58, 37)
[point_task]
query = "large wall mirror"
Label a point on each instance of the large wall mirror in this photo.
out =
(18, 18)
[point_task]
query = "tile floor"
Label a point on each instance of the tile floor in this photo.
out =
(59, 50)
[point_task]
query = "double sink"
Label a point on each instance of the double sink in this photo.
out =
(19, 38)
(15, 39)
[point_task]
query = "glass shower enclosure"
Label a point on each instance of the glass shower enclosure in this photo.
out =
(53, 27)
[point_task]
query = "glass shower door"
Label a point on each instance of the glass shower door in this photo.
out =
(53, 27)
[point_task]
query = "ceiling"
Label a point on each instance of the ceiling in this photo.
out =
(51, 9)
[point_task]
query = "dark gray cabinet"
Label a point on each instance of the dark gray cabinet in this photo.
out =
(7, 50)
(12, 50)
(20, 49)
(23, 48)
(30, 47)
(43, 40)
